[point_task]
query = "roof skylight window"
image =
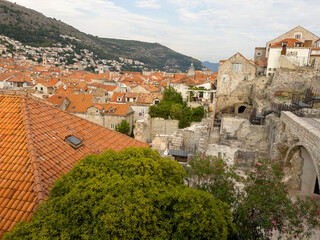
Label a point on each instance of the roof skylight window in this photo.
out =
(73, 141)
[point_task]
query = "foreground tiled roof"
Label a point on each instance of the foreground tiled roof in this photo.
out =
(34, 153)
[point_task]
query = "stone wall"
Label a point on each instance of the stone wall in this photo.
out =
(192, 139)
(147, 128)
(106, 120)
(162, 126)
(240, 142)
(296, 142)
(288, 79)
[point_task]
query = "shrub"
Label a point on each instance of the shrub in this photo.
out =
(132, 194)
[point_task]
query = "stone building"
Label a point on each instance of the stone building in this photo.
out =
(288, 53)
(260, 61)
(299, 33)
(104, 114)
(139, 102)
(233, 73)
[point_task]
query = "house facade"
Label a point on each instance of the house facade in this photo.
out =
(232, 74)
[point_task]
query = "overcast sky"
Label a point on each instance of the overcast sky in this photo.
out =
(205, 29)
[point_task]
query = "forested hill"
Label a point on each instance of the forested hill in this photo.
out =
(33, 28)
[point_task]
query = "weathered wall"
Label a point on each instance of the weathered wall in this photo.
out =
(288, 79)
(232, 84)
(106, 120)
(295, 139)
(162, 126)
(139, 111)
(146, 129)
(109, 119)
(241, 142)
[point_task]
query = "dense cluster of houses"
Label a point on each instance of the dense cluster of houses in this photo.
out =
(105, 98)
(64, 56)
(53, 116)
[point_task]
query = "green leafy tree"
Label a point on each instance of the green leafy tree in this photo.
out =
(260, 201)
(132, 194)
(171, 95)
(123, 127)
(198, 113)
(172, 106)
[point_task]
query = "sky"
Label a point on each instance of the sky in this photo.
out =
(209, 30)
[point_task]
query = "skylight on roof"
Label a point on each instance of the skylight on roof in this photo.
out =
(73, 141)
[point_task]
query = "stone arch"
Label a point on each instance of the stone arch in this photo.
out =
(241, 109)
(301, 172)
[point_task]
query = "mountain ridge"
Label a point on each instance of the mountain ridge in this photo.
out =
(212, 66)
(33, 28)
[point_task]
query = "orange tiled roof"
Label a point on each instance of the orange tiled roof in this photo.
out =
(117, 95)
(4, 76)
(148, 98)
(119, 109)
(48, 82)
(291, 43)
(56, 99)
(40, 69)
(19, 79)
(184, 79)
(34, 153)
(150, 88)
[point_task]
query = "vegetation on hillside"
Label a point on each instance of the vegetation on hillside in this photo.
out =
(260, 201)
(172, 106)
(33, 28)
(132, 194)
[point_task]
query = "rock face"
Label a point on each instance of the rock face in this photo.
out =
(289, 79)
(146, 129)
(165, 134)
(240, 141)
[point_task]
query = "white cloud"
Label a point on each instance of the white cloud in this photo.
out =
(205, 29)
(148, 4)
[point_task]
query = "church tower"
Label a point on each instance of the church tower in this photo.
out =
(44, 59)
(191, 71)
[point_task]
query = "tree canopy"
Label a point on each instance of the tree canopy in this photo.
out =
(132, 194)
(123, 127)
(172, 106)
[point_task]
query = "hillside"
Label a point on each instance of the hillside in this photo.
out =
(33, 28)
(211, 66)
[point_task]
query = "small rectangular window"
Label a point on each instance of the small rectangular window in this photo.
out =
(112, 126)
(297, 36)
(236, 67)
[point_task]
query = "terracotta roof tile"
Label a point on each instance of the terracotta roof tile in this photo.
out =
(34, 153)
(290, 41)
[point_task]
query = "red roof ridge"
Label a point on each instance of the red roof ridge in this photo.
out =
(73, 115)
(38, 187)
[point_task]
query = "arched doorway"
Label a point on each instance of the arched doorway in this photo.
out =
(309, 174)
(301, 173)
(241, 109)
